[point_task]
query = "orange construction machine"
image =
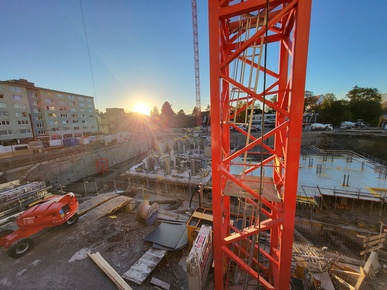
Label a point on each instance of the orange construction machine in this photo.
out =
(54, 211)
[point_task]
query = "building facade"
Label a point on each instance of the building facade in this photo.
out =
(28, 112)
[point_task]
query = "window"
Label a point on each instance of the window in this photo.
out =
(3, 105)
(89, 100)
(37, 110)
(5, 123)
(53, 122)
(84, 121)
(82, 110)
(65, 121)
(52, 115)
(40, 125)
(33, 95)
(74, 115)
(17, 97)
(1, 96)
(91, 111)
(63, 109)
(38, 118)
(73, 110)
(41, 132)
(60, 95)
(71, 97)
(15, 89)
(25, 131)
(90, 106)
(50, 108)
(64, 115)
(81, 98)
(49, 101)
(75, 121)
(36, 103)
(5, 132)
(61, 102)
(66, 128)
(81, 104)
(91, 116)
(76, 128)
(19, 106)
(85, 127)
(21, 114)
(73, 103)
(22, 122)
(4, 114)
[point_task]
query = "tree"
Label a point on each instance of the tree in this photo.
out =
(333, 111)
(167, 114)
(181, 119)
(154, 112)
(365, 103)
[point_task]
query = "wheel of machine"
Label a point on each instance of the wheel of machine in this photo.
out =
(20, 248)
(72, 220)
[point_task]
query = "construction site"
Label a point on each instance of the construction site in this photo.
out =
(233, 209)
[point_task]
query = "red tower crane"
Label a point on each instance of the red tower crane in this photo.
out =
(196, 59)
(258, 56)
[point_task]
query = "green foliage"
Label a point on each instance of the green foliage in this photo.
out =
(333, 111)
(167, 115)
(154, 112)
(366, 104)
(362, 103)
(184, 121)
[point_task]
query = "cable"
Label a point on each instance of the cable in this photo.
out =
(88, 52)
(262, 125)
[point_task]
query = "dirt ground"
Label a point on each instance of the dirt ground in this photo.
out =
(59, 258)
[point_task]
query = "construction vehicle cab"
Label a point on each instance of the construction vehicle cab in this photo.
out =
(54, 211)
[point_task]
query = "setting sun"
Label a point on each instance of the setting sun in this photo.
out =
(141, 108)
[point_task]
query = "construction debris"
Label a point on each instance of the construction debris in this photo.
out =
(169, 237)
(144, 266)
(147, 213)
(159, 283)
(109, 271)
(111, 204)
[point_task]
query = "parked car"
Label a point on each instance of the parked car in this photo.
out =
(359, 123)
(347, 125)
(321, 127)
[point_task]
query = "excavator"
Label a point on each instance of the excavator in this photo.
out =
(53, 211)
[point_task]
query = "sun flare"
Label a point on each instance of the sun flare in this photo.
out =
(142, 109)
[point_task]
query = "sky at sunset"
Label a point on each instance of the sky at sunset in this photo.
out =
(142, 51)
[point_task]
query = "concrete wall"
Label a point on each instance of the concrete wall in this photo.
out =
(373, 144)
(360, 142)
(62, 171)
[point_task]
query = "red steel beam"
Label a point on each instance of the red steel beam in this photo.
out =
(288, 28)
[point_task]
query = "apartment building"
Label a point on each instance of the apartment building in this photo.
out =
(29, 112)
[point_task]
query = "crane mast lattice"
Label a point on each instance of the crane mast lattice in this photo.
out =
(254, 199)
(196, 59)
